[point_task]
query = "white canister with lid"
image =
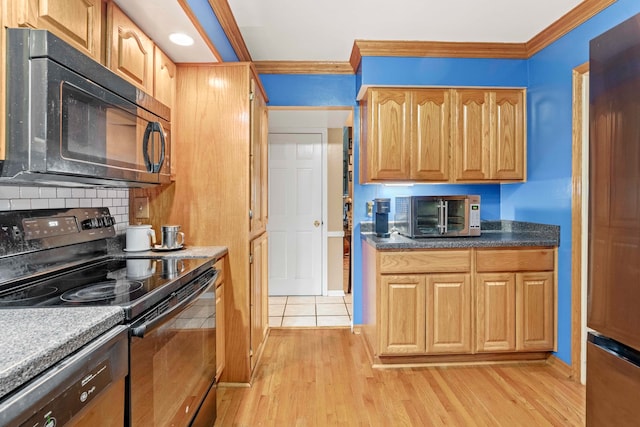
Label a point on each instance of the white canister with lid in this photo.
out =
(140, 238)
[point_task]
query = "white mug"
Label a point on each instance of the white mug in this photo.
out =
(140, 238)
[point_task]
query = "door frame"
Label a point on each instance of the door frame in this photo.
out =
(579, 222)
(323, 179)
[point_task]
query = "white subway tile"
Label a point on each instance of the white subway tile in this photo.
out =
(29, 192)
(63, 193)
(18, 204)
(101, 193)
(72, 203)
(56, 203)
(39, 203)
(9, 192)
(86, 203)
(91, 193)
(48, 192)
(77, 193)
(112, 194)
(5, 205)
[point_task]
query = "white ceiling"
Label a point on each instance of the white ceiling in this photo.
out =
(166, 17)
(324, 30)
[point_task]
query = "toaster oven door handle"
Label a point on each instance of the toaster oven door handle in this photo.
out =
(153, 127)
(148, 325)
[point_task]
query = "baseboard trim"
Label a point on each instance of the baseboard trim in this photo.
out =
(560, 366)
(335, 293)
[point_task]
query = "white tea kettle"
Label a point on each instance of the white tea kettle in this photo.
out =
(140, 238)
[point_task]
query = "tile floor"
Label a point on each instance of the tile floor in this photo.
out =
(295, 311)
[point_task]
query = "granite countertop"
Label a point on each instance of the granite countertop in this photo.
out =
(495, 234)
(34, 339)
(216, 252)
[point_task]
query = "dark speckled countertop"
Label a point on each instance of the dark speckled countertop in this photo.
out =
(35, 339)
(495, 234)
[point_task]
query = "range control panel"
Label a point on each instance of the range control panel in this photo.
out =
(22, 231)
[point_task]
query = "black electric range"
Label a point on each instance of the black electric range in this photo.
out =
(60, 258)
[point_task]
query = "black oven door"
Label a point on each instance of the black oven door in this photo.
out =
(173, 359)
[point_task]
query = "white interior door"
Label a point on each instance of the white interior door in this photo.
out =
(295, 214)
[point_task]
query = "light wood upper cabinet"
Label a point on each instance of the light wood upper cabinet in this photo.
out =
(259, 171)
(389, 131)
(472, 134)
(489, 135)
(129, 50)
(430, 128)
(443, 135)
(78, 22)
(164, 78)
(508, 148)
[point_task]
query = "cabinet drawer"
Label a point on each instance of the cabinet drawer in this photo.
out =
(514, 259)
(431, 261)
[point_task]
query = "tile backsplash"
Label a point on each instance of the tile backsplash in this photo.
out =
(14, 198)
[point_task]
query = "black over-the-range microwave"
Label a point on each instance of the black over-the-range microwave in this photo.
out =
(73, 122)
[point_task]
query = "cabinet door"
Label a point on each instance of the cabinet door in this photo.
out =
(535, 311)
(496, 316)
(258, 175)
(388, 137)
(131, 51)
(448, 313)
(402, 320)
(78, 22)
(472, 134)
(220, 333)
(508, 142)
(430, 128)
(258, 295)
(164, 80)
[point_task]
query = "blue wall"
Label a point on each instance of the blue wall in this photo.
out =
(544, 198)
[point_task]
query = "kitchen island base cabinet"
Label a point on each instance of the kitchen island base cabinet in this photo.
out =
(433, 306)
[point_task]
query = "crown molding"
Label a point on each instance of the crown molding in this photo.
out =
(572, 19)
(230, 27)
(440, 49)
(196, 23)
(303, 67)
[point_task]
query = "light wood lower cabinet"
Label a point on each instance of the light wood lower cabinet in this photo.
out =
(220, 323)
(259, 295)
(458, 302)
(402, 314)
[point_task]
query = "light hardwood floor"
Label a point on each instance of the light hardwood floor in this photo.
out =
(322, 377)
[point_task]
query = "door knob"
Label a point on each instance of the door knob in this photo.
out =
(316, 223)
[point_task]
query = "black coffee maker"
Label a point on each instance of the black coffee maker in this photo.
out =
(381, 209)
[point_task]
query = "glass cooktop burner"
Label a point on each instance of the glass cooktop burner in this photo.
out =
(102, 291)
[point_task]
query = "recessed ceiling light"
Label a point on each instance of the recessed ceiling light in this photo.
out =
(181, 39)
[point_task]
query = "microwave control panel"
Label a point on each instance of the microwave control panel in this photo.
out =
(474, 216)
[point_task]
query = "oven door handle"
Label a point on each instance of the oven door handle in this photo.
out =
(206, 282)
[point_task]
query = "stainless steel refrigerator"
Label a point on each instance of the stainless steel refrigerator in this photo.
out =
(613, 310)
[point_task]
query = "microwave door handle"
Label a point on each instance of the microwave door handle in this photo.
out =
(153, 127)
(441, 217)
(445, 216)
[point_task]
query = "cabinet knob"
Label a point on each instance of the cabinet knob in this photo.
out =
(316, 223)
